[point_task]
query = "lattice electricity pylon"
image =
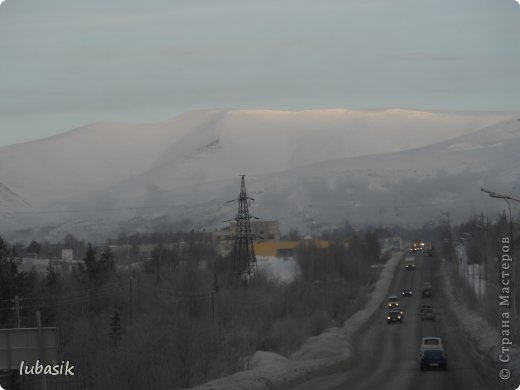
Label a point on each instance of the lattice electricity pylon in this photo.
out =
(244, 259)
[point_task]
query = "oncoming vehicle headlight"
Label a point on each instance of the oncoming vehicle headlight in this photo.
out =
(398, 317)
(388, 317)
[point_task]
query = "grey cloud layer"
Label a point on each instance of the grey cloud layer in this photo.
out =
(97, 60)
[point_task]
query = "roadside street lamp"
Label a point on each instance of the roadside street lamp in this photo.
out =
(507, 198)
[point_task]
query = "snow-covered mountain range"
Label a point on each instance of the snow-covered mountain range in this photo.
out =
(308, 169)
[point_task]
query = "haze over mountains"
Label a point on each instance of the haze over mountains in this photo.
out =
(309, 169)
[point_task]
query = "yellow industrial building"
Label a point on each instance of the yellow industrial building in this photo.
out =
(286, 248)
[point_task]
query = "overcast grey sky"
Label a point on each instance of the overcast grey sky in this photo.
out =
(66, 63)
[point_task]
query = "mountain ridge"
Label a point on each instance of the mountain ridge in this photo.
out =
(192, 163)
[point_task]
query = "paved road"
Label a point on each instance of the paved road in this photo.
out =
(388, 353)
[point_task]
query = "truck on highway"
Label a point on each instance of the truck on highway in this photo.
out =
(409, 263)
(432, 354)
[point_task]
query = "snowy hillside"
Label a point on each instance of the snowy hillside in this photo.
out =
(212, 145)
(89, 158)
(259, 142)
(307, 168)
(10, 201)
(408, 187)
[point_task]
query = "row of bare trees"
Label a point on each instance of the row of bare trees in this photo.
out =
(179, 321)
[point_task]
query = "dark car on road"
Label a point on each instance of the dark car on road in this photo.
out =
(406, 292)
(394, 315)
(433, 358)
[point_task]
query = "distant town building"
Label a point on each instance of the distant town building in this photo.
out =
(67, 254)
(42, 266)
(265, 230)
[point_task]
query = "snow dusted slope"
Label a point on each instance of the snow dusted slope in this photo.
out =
(309, 168)
(260, 142)
(89, 158)
(211, 145)
(271, 141)
(406, 187)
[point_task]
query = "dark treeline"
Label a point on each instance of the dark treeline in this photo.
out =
(160, 237)
(178, 320)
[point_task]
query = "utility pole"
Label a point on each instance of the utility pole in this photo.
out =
(215, 289)
(17, 311)
(245, 267)
(131, 304)
(41, 349)
(213, 305)
(473, 277)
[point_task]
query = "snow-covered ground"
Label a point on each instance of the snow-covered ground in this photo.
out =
(320, 354)
(284, 270)
(473, 274)
(484, 336)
